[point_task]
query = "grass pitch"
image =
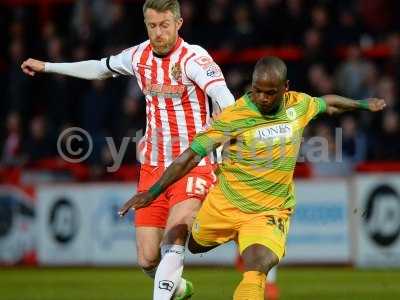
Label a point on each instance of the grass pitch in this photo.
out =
(210, 284)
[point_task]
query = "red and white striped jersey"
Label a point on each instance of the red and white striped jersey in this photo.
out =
(175, 87)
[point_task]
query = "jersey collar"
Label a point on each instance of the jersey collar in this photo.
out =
(253, 107)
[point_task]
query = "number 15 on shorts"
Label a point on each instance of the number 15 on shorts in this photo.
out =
(196, 185)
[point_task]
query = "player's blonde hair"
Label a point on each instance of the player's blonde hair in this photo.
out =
(163, 6)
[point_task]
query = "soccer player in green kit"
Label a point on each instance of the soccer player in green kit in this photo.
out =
(254, 198)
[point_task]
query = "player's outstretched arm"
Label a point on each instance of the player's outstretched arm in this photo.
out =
(338, 104)
(89, 69)
(179, 168)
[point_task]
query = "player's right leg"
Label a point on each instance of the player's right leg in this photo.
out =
(148, 241)
(150, 222)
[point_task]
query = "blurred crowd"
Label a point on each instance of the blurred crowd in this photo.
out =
(334, 38)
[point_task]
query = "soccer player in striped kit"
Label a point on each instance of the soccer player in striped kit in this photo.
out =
(177, 79)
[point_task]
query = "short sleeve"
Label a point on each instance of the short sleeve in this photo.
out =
(120, 64)
(202, 69)
(212, 137)
(314, 106)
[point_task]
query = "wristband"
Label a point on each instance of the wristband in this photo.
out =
(155, 190)
(363, 104)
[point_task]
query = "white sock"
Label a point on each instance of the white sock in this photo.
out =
(169, 272)
(271, 278)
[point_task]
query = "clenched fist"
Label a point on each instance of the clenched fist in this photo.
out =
(375, 104)
(32, 66)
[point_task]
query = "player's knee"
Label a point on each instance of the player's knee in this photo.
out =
(261, 263)
(148, 263)
(259, 258)
(176, 234)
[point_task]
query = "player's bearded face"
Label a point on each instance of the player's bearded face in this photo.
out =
(267, 94)
(162, 28)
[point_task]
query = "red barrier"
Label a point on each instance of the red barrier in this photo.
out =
(379, 166)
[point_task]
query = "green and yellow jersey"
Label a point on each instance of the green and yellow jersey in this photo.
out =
(260, 151)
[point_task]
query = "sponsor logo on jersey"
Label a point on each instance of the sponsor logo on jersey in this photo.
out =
(163, 90)
(276, 131)
(204, 61)
(291, 113)
(213, 71)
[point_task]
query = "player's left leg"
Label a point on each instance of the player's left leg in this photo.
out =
(262, 240)
(271, 287)
(257, 260)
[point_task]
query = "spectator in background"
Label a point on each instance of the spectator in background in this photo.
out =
(96, 116)
(242, 35)
(324, 154)
(77, 89)
(131, 121)
(11, 154)
(83, 25)
(370, 81)
(378, 15)
(97, 8)
(55, 99)
(18, 91)
(348, 31)
(132, 111)
(116, 34)
(48, 32)
(235, 80)
(392, 66)
(354, 142)
(187, 10)
(320, 21)
(351, 75)
(39, 144)
(217, 24)
(321, 83)
(386, 145)
(267, 22)
(313, 48)
(387, 88)
(295, 21)
(86, 31)
(17, 28)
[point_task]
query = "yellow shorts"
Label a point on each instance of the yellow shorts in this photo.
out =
(219, 221)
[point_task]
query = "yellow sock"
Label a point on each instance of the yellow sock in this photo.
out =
(251, 287)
